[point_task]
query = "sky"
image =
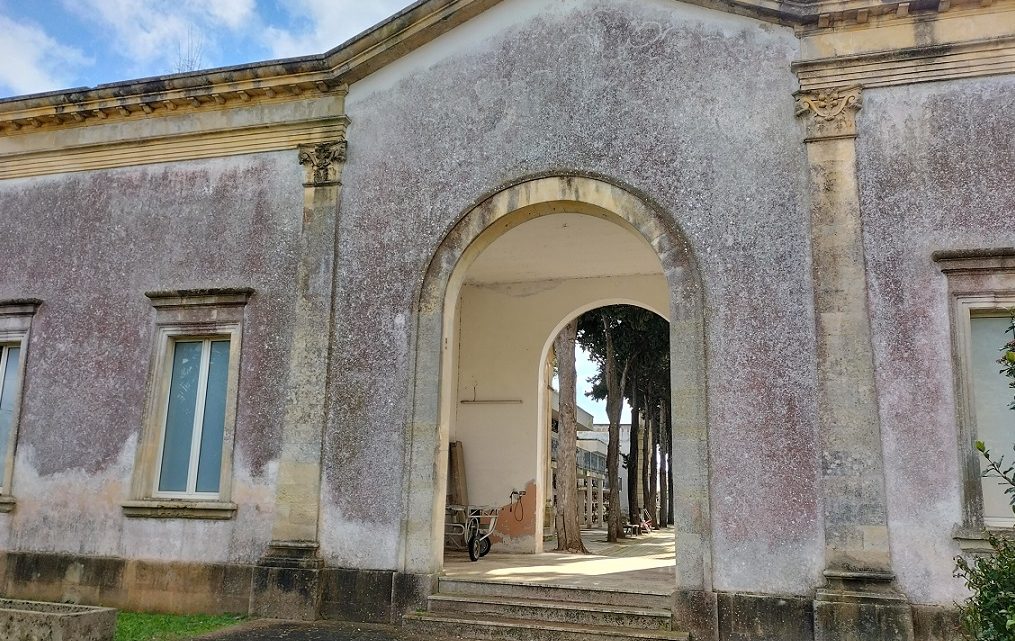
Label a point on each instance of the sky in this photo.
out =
(587, 369)
(47, 45)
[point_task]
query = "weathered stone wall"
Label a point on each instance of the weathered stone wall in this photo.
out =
(90, 245)
(694, 109)
(935, 168)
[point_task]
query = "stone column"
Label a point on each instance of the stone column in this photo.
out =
(287, 582)
(588, 502)
(858, 600)
(600, 483)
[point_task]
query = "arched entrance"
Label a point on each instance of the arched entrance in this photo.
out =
(435, 381)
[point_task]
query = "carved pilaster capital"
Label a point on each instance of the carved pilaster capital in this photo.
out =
(322, 162)
(830, 113)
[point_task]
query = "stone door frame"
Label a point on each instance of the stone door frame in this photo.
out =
(427, 430)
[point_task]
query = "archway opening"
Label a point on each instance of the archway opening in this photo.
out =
(489, 304)
(515, 295)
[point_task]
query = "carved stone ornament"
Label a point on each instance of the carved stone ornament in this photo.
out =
(832, 112)
(322, 161)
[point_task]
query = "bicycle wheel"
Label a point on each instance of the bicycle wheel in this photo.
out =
(474, 545)
(484, 547)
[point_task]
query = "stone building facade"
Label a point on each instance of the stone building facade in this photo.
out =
(827, 187)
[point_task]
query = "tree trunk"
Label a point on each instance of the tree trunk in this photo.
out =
(664, 463)
(615, 380)
(653, 470)
(633, 500)
(646, 451)
(569, 533)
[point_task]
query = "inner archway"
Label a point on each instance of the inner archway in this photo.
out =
(461, 290)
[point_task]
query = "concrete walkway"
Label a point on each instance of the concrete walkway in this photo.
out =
(644, 564)
(316, 631)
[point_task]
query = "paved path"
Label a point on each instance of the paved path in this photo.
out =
(317, 631)
(643, 564)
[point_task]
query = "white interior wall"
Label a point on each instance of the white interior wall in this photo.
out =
(504, 333)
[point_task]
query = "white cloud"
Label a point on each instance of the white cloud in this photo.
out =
(152, 34)
(33, 61)
(332, 22)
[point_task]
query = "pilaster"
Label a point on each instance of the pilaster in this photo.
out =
(859, 600)
(287, 580)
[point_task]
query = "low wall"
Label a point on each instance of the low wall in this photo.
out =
(55, 621)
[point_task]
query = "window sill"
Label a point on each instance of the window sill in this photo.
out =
(7, 503)
(168, 509)
(974, 540)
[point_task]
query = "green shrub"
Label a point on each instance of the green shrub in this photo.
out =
(989, 615)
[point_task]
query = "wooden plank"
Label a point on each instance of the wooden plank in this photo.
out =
(458, 492)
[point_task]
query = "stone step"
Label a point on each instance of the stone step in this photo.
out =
(558, 593)
(555, 611)
(488, 628)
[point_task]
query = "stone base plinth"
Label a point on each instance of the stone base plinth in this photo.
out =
(287, 582)
(861, 606)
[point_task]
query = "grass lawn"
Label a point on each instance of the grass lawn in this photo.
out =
(136, 626)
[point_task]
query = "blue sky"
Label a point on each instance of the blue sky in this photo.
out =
(59, 44)
(586, 369)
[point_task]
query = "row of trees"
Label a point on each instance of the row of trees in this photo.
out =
(631, 347)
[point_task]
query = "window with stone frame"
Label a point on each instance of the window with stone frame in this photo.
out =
(15, 323)
(981, 289)
(184, 460)
(990, 402)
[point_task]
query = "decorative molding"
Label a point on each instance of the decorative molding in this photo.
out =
(831, 113)
(909, 65)
(158, 99)
(321, 162)
(190, 146)
(211, 510)
(973, 540)
(826, 15)
(19, 306)
(970, 261)
(217, 297)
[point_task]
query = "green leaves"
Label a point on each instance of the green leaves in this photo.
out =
(989, 615)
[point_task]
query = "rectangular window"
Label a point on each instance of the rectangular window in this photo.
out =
(991, 397)
(183, 466)
(981, 288)
(10, 368)
(191, 460)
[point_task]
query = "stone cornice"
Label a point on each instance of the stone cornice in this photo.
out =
(326, 73)
(240, 86)
(173, 95)
(975, 58)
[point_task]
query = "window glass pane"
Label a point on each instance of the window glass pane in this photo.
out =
(995, 423)
(8, 398)
(210, 464)
(180, 417)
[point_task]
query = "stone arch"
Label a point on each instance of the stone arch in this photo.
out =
(426, 436)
